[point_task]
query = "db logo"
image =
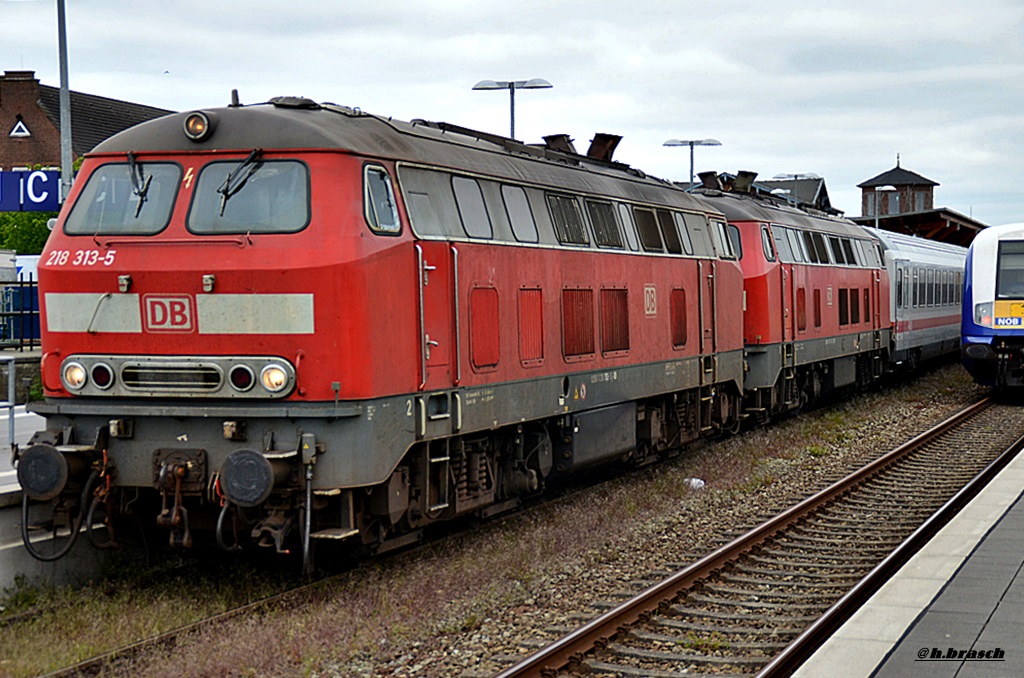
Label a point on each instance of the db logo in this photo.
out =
(168, 313)
(650, 300)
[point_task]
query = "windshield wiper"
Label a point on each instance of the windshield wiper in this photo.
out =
(140, 185)
(238, 176)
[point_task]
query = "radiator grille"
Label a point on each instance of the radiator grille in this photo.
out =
(203, 378)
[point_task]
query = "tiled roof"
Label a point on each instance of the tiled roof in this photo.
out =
(898, 176)
(95, 118)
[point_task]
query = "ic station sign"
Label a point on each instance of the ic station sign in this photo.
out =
(30, 191)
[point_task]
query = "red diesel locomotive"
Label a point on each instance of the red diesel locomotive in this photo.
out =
(291, 322)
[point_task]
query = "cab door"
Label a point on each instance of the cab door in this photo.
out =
(436, 272)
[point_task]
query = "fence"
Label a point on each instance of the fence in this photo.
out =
(19, 314)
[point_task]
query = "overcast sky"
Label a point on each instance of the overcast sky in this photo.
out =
(787, 87)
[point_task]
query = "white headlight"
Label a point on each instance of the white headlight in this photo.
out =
(274, 378)
(75, 376)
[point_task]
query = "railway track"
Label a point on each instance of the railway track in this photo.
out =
(762, 603)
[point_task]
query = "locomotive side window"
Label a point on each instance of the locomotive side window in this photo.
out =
(113, 201)
(647, 227)
(684, 235)
(837, 250)
(606, 227)
(568, 221)
(848, 251)
(782, 242)
(766, 244)
(261, 196)
(799, 246)
(724, 240)
(667, 225)
(517, 207)
(627, 226)
(697, 225)
(854, 306)
(430, 202)
(821, 248)
(379, 199)
(470, 202)
(867, 306)
(812, 253)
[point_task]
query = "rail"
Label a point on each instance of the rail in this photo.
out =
(570, 649)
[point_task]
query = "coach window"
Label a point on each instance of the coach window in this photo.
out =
(470, 201)
(379, 198)
(647, 227)
(667, 225)
(931, 287)
(568, 221)
(766, 244)
(606, 227)
(684, 235)
(517, 207)
(627, 226)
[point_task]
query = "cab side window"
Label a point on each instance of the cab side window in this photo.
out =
(379, 201)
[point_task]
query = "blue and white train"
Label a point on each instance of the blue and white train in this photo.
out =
(992, 317)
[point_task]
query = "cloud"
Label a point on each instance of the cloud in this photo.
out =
(794, 86)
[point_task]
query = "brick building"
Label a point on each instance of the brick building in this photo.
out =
(897, 191)
(30, 121)
(904, 202)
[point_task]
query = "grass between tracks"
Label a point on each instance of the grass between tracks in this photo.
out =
(372, 620)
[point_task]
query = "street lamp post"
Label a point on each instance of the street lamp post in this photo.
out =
(691, 143)
(512, 86)
(65, 105)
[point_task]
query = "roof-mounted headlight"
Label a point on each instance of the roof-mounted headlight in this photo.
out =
(199, 125)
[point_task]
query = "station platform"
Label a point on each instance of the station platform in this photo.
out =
(955, 609)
